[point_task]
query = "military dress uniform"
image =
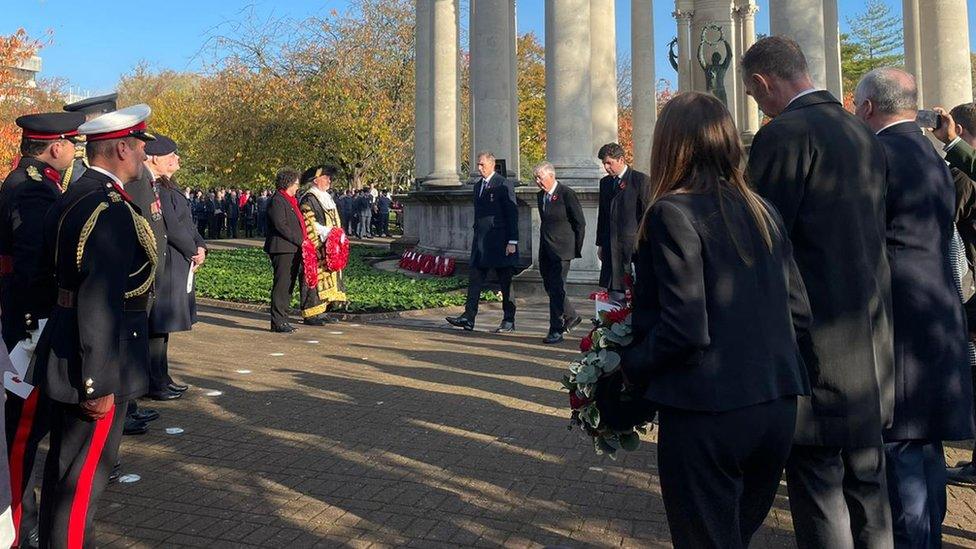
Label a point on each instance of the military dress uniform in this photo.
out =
(91, 107)
(25, 197)
(100, 252)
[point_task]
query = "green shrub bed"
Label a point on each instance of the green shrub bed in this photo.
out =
(244, 275)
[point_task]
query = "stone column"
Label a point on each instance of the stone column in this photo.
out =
(945, 61)
(603, 72)
(749, 119)
(569, 120)
(422, 95)
(444, 87)
(913, 47)
(644, 81)
(803, 21)
(494, 97)
(684, 18)
(835, 78)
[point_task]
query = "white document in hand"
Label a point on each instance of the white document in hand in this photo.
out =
(22, 353)
(189, 282)
(17, 386)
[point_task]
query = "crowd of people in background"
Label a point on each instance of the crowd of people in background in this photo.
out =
(235, 213)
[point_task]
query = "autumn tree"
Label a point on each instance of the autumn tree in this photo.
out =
(16, 97)
(532, 103)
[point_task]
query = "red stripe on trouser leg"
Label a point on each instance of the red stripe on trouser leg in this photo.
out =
(79, 505)
(17, 450)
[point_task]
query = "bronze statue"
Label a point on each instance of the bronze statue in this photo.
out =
(715, 71)
(673, 54)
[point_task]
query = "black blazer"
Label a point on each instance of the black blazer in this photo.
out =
(824, 170)
(175, 309)
(284, 230)
(617, 221)
(495, 223)
(563, 224)
(933, 378)
(714, 332)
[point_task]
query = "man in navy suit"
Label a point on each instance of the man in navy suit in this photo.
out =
(560, 241)
(933, 381)
(495, 243)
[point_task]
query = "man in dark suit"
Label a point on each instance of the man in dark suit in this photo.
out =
(824, 171)
(495, 244)
(560, 241)
(933, 392)
(621, 208)
(383, 204)
(232, 206)
(286, 232)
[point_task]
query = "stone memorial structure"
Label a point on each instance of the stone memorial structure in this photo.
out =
(581, 93)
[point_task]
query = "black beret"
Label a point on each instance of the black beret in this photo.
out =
(48, 126)
(161, 146)
(94, 105)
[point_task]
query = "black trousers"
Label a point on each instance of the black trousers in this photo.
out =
(232, 224)
(285, 268)
(720, 471)
(159, 362)
(27, 423)
(916, 476)
(202, 225)
(383, 223)
(83, 452)
(839, 497)
(554, 272)
(476, 279)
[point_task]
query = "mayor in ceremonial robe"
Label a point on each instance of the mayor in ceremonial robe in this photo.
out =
(323, 228)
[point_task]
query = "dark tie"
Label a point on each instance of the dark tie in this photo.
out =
(484, 185)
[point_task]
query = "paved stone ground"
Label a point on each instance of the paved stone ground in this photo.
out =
(400, 432)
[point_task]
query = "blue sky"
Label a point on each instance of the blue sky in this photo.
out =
(92, 46)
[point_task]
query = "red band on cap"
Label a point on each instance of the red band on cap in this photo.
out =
(49, 136)
(140, 127)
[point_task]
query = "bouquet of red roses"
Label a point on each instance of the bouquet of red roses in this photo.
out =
(601, 406)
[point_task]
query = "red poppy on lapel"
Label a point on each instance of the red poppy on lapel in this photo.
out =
(622, 185)
(553, 199)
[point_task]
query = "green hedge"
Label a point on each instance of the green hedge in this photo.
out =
(244, 275)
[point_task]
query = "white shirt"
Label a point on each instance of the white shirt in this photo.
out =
(622, 172)
(552, 191)
(952, 144)
(108, 173)
(895, 123)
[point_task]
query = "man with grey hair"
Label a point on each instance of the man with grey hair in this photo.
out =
(560, 241)
(824, 171)
(933, 380)
(494, 246)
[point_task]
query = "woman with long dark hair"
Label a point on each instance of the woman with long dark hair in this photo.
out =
(716, 299)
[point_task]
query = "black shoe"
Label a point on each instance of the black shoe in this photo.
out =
(165, 395)
(177, 387)
(461, 322)
(572, 323)
(553, 337)
(116, 472)
(133, 427)
(283, 328)
(315, 321)
(145, 416)
(962, 476)
(506, 327)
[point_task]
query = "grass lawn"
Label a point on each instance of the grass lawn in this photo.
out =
(244, 275)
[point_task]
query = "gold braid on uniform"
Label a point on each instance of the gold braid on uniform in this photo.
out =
(86, 230)
(148, 242)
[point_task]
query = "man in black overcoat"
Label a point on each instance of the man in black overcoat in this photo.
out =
(933, 378)
(563, 226)
(495, 244)
(824, 170)
(621, 209)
